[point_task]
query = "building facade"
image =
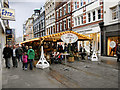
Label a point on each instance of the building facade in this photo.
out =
(86, 16)
(110, 29)
(50, 17)
(39, 25)
(63, 11)
(29, 29)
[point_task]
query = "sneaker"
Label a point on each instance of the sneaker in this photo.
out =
(25, 69)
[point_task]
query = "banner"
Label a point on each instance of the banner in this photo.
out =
(7, 14)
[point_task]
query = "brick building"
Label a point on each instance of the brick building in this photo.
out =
(63, 11)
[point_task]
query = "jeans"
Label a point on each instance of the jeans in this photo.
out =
(20, 58)
(25, 65)
(30, 61)
(15, 63)
(7, 62)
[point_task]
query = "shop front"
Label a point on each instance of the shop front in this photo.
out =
(111, 38)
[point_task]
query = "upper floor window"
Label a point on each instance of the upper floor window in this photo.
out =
(64, 10)
(57, 28)
(60, 12)
(69, 8)
(57, 14)
(99, 14)
(82, 19)
(64, 25)
(115, 13)
(69, 23)
(93, 15)
(78, 20)
(81, 2)
(75, 5)
(89, 1)
(89, 17)
(60, 26)
(75, 21)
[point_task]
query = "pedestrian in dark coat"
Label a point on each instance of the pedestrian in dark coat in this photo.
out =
(7, 55)
(14, 56)
(19, 53)
(118, 53)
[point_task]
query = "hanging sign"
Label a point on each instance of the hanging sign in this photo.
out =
(69, 38)
(7, 14)
(112, 44)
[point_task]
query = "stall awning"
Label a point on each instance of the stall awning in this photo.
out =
(31, 40)
(57, 36)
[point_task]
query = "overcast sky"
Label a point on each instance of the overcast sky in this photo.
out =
(23, 10)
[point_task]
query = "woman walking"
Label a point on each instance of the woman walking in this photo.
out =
(31, 55)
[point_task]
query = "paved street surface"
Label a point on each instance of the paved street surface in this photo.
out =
(80, 74)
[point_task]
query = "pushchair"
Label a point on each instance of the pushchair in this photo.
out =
(57, 59)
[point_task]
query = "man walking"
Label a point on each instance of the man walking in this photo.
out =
(31, 55)
(19, 53)
(14, 56)
(7, 55)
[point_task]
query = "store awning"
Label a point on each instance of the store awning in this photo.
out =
(57, 37)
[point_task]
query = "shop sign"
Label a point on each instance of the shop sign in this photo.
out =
(112, 44)
(69, 38)
(7, 14)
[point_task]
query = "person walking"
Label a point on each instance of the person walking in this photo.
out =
(25, 60)
(7, 55)
(31, 55)
(14, 56)
(19, 53)
(118, 53)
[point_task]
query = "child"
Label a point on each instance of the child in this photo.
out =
(25, 57)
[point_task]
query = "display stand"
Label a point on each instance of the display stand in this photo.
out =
(42, 63)
(94, 57)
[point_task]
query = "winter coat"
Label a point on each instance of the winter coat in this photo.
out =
(7, 52)
(31, 54)
(19, 52)
(25, 57)
(15, 52)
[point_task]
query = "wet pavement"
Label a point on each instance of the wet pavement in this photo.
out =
(80, 74)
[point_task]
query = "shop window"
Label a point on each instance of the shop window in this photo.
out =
(93, 15)
(69, 8)
(99, 14)
(89, 17)
(112, 43)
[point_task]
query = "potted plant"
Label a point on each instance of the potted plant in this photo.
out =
(71, 57)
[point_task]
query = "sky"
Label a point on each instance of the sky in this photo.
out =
(23, 10)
